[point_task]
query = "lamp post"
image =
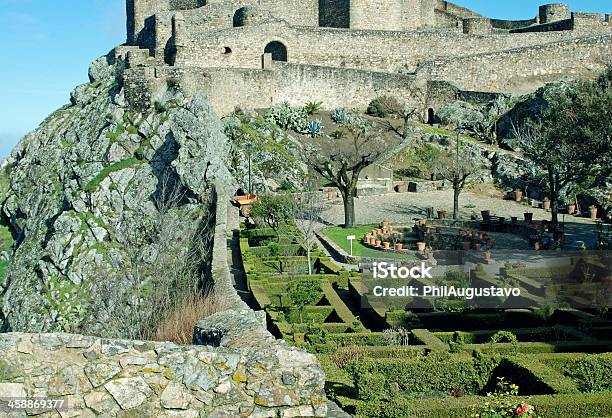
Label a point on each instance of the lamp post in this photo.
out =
(249, 148)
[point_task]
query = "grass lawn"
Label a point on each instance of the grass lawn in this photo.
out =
(338, 235)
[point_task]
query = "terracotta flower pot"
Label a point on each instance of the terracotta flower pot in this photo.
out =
(537, 245)
(466, 246)
(528, 217)
(430, 255)
(399, 246)
(571, 208)
(518, 195)
(546, 204)
(377, 242)
(593, 210)
(490, 242)
(441, 214)
(487, 255)
(482, 235)
(421, 246)
(477, 246)
(387, 245)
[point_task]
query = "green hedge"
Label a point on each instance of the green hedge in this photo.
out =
(550, 406)
(427, 338)
(534, 377)
(538, 347)
(432, 374)
(523, 335)
(590, 372)
(358, 338)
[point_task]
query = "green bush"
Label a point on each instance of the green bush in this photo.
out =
(432, 374)
(590, 372)
(534, 377)
(425, 337)
(384, 106)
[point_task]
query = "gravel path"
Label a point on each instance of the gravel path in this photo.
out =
(403, 208)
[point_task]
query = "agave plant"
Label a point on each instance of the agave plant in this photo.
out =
(341, 116)
(315, 128)
(312, 107)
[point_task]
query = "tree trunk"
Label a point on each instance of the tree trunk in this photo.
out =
(308, 258)
(456, 192)
(349, 209)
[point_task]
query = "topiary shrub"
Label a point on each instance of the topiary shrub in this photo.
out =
(504, 337)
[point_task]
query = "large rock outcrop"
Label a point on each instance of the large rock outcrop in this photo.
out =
(100, 198)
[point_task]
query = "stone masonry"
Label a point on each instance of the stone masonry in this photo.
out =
(267, 51)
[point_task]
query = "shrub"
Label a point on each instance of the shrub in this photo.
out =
(287, 117)
(388, 408)
(177, 325)
(502, 403)
(348, 354)
(504, 337)
(591, 373)
(384, 106)
(338, 134)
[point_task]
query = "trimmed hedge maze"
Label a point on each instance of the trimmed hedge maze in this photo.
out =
(392, 362)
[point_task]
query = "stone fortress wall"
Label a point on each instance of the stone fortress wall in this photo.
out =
(257, 53)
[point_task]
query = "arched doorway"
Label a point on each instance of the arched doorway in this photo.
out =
(278, 51)
(431, 116)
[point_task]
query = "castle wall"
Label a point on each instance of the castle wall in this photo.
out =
(334, 13)
(376, 14)
(376, 50)
(228, 88)
(524, 69)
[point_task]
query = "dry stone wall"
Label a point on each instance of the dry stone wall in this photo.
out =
(117, 378)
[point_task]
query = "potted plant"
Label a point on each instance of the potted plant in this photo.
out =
(528, 217)
(430, 254)
(441, 214)
(537, 245)
(466, 246)
(546, 203)
(377, 242)
(593, 210)
(518, 195)
(399, 246)
(387, 245)
(477, 246)
(490, 242)
(421, 246)
(482, 235)
(486, 252)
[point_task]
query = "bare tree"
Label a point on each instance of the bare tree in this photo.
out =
(308, 208)
(341, 157)
(457, 169)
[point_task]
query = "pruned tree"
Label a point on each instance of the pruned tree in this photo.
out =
(303, 293)
(458, 169)
(571, 140)
(274, 210)
(341, 158)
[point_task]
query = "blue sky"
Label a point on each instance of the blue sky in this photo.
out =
(47, 46)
